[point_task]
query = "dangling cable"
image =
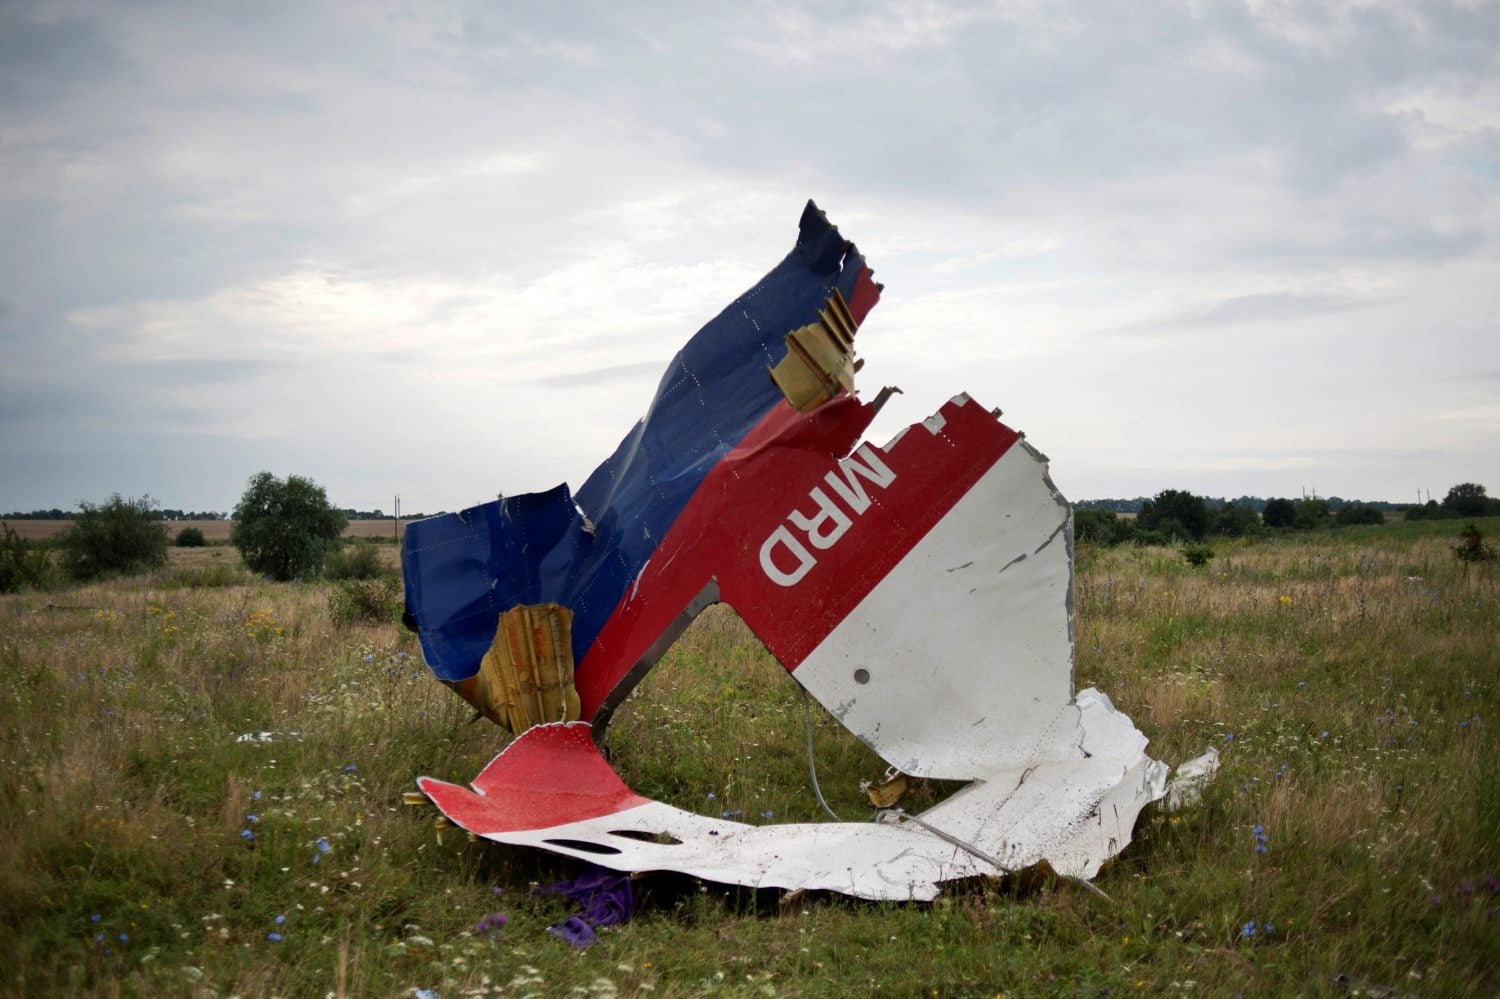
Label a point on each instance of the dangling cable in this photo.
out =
(812, 767)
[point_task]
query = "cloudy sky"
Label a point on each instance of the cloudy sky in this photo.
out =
(445, 250)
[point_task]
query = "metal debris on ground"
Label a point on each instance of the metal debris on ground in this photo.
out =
(921, 590)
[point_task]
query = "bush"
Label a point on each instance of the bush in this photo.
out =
(118, 537)
(374, 601)
(360, 560)
(1472, 547)
(285, 529)
(1100, 527)
(1359, 513)
(1197, 555)
(23, 563)
(190, 537)
(1430, 511)
(1234, 521)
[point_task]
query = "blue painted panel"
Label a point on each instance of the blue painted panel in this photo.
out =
(463, 570)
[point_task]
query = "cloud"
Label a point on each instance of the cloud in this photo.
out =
(286, 233)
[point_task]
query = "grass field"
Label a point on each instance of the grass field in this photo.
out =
(1350, 844)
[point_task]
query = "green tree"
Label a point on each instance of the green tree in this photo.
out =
(1359, 513)
(1174, 513)
(117, 537)
(1312, 513)
(1279, 513)
(1235, 520)
(1468, 499)
(285, 528)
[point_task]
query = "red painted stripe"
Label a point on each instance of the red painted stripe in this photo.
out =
(752, 492)
(866, 293)
(550, 776)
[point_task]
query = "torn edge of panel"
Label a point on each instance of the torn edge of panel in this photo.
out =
(820, 362)
(526, 678)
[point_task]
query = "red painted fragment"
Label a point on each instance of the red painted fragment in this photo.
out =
(550, 776)
(720, 535)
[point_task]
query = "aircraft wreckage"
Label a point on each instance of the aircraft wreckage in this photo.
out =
(921, 591)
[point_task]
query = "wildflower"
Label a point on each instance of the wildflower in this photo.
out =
(1324, 735)
(1261, 838)
(711, 796)
(246, 834)
(1228, 736)
(280, 919)
(322, 845)
(124, 938)
(94, 918)
(1248, 930)
(1283, 599)
(254, 795)
(274, 937)
(349, 769)
(493, 921)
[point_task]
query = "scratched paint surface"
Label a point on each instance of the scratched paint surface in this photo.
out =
(921, 590)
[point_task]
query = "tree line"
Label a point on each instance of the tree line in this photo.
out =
(1176, 515)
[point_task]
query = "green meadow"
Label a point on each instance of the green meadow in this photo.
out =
(203, 783)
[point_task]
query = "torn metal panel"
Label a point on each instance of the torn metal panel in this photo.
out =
(462, 570)
(526, 677)
(922, 591)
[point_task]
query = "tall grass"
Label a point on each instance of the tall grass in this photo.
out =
(1352, 840)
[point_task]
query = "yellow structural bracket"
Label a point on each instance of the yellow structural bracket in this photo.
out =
(819, 362)
(526, 678)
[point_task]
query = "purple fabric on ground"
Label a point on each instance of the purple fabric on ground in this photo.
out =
(606, 897)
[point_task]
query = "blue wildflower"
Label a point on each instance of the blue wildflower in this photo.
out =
(124, 938)
(94, 918)
(280, 920)
(274, 937)
(349, 769)
(247, 834)
(322, 845)
(1248, 930)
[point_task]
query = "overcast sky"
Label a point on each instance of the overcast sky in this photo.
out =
(445, 250)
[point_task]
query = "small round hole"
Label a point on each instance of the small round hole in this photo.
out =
(861, 675)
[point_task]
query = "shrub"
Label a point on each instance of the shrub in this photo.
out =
(117, 537)
(378, 600)
(190, 537)
(360, 560)
(1100, 527)
(1359, 513)
(285, 529)
(1472, 546)
(1234, 520)
(23, 563)
(1197, 555)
